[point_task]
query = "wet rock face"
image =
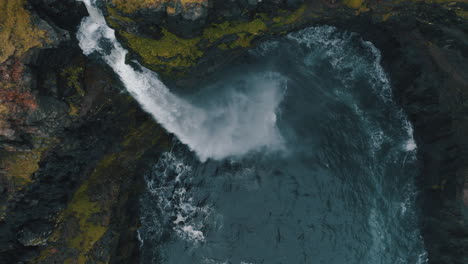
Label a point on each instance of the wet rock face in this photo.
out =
(66, 14)
(425, 62)
(59, 116)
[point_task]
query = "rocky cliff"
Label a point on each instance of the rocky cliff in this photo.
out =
(73, 146)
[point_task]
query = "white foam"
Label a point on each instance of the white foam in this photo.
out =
(229, 125)
(173, 198)
(410, 144)
(190, 233)
(423, 258)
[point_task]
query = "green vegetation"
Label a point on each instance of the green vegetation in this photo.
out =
(86, 218)
(17, 33)
(73, 75)
(170, 50)
(21, 165)
(84, 209)
(131, 6)
(285, 19)
(245, 31)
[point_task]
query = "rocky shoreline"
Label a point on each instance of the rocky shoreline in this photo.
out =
(73, 146)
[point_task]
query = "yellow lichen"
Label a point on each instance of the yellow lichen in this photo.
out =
(4, 109)
(17, 33)
(74, 111)
(385, 17)
(356, 4)
(21, 165)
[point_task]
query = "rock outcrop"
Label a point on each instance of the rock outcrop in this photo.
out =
(73, 147)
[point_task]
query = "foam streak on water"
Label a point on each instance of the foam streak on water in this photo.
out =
(233, 124)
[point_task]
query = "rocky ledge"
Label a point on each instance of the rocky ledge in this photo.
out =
(73, 145)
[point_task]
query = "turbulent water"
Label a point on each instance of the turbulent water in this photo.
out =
(296, 154)
(233, 123)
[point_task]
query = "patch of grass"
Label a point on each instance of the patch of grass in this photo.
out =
(17, 33)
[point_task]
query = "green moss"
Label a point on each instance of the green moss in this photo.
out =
(73, 74)
(241, 29)
(245, 32)
(223, 46)
(112, 166)
(87, 216)
(462, 13)
(285, 18)
(84, 209)
(141, 131)
(17, 33)
(170, 50)
(115, 14)
(21, 165)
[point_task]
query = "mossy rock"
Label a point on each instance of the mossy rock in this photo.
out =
(17, 33)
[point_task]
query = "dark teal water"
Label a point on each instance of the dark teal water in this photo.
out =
(338, 189)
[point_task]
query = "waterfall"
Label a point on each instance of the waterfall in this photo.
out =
(231, 124)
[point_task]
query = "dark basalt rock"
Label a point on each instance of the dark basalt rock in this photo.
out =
(66, 14)
(425, 62)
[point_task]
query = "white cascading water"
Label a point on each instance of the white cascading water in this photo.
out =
(233, 124)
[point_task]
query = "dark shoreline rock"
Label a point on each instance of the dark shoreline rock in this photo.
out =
(425, 62)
